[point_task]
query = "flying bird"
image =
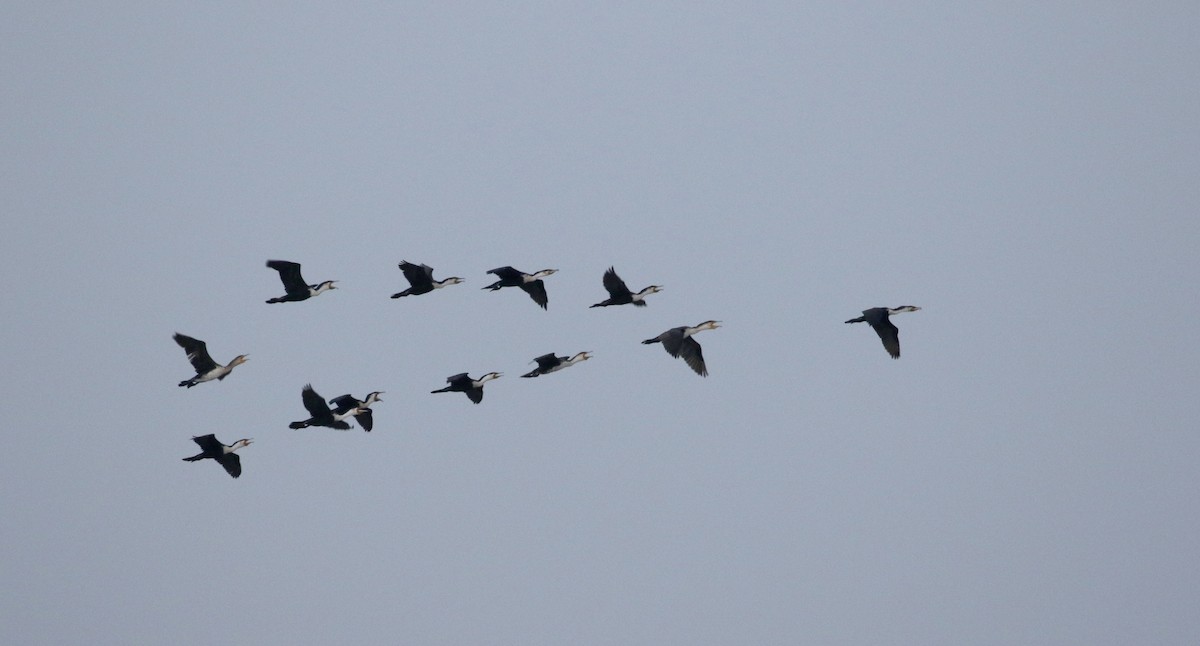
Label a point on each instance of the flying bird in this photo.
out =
(462, 383)
(531, 283)
(878, 318)
(206, 368)
(678, 342)
(548, 363)
(321, 414)
(294, 284)
(211, 448)
(346, 403)
(619, 294)
(421, 279)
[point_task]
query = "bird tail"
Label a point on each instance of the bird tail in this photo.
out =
(649, 341)
(598, 305)
(400, 294)
(494, 286)
(187, 382)
(443, 390)
(274, 300)
(857, 320)
(533, 373)
(295, 425)
(199, 456)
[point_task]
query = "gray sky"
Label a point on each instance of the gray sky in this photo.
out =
(1025, 474)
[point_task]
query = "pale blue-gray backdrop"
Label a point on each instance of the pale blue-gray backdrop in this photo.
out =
(1025, 172)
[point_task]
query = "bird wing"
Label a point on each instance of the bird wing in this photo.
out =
(197, 353)
(475, 394)
(458, 379)
(506, 273)
(689, 351)
(547, 361)
(615, 286)
(209, 444)
(365, 420)
(289, 274)
(537, 291)
(890, 335)
(672, 340)
(314, 403)
(232, 464)
(417, 275)
(347, 401)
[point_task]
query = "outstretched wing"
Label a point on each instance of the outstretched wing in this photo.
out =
(889, 334)
(209, 444)
(365, 420)
(475, 394)
(313, 402)
(615, 286)
(689, 351)
(537, 291)
(506, 273)
(547, 361)
(197, 353)
(343, 403)
(417, 275)
(289, 274)
(232, 464)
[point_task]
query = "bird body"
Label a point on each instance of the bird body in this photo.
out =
(879, 320)
(463, 383)
(420, 277)
(211, 448)
(619, 294)
(678, 342)
(321, 414)
(294, 284)
(206, 368)
(531, 283)
(346, 403)
(548, 363)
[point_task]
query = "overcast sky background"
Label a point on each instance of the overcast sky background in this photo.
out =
(1025, 474)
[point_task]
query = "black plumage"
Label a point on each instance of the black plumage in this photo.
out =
(321, 414)
(211, 448)
(531, 283)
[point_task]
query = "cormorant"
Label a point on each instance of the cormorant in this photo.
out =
(877, 318)
(531, 283)
(321, 413)
(548, 363)
(347, 403)
(297, 289)
(210, 447)
(421, 279)
(678, 342)
(206, 368)
(619, 294)
(462, 383)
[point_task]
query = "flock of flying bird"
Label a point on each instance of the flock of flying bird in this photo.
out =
(678, 343)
